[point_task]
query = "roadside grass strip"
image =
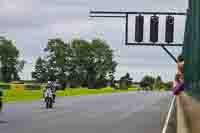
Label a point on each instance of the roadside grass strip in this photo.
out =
(13, 95)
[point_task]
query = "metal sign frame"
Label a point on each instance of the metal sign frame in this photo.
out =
(121, 14)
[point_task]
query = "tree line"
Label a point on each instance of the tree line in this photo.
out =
(152, 83)
(78, 63)
(10, 63)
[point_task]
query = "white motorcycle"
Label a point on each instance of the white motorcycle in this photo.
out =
(48, 95)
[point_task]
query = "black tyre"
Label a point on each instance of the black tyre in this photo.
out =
(54, 97)
(47, 102)
(50, 103)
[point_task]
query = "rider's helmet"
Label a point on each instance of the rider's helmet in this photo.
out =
(49, 84)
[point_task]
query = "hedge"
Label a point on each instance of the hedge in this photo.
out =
(4, 86)
(33, 86)
(21, 86)
(1, 93)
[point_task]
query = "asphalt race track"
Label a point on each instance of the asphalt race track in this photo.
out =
(132, 112)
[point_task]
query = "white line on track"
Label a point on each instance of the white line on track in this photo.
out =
(168, 115)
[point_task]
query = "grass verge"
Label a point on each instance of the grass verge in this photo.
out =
(30, 95)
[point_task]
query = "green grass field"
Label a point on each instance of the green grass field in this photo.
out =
(29, 95)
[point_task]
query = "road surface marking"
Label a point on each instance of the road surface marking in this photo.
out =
(168, 116)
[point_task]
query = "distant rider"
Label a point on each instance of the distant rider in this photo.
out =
(52, 87)
(48, 92)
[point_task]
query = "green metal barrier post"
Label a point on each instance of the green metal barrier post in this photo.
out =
(192, 50)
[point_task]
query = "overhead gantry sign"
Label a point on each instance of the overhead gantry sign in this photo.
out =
(139, 27)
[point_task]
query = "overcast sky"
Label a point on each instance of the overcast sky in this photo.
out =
(32, 22)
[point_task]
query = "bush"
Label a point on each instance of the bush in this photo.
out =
(147, 82)
(29, 81)
(125, 82)
(16, 82)
(33, 86)
(1, 93)
(17, 87)
(4, 86)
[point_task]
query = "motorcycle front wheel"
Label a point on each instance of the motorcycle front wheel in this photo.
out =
(49, 102)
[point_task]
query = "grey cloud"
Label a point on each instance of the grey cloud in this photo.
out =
(32, 22)
(41, 14)
(141, 5)
(66, 3)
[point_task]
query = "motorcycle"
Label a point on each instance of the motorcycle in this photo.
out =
(49, 98)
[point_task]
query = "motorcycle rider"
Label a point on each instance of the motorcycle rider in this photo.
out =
(52, 87)
(48, 97)
(48, 92)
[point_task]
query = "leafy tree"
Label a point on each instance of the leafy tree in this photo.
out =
(93, 60)
(9, 60)
(125, 81)
(158, 84)
(58, 62)
(128, 79)
(111, 74)
(80, 62)
(147, 82)
(55, 65)
(168, 85)
(40, 73)
(155, 84)
(56, 49)
(20, 65)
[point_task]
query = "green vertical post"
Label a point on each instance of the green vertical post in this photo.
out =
(187, 50)
(192, 50)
